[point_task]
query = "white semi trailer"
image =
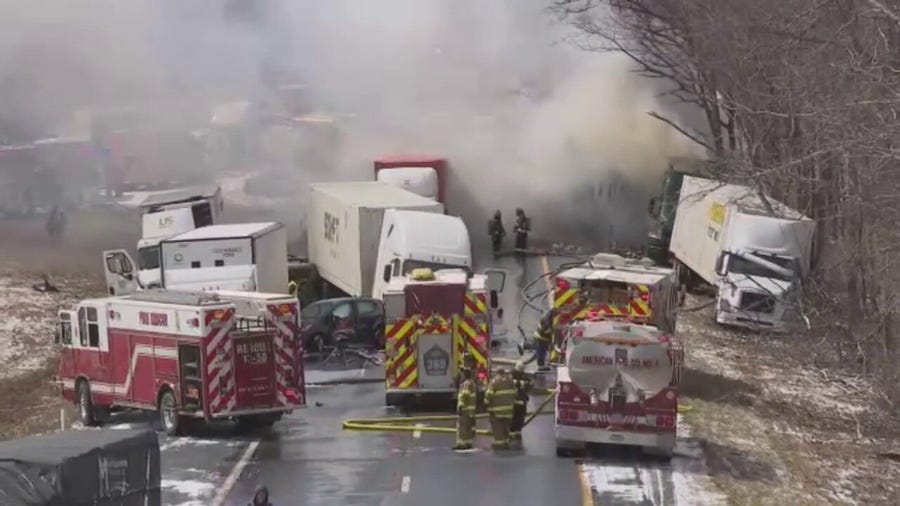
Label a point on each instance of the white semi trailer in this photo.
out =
(726, 235)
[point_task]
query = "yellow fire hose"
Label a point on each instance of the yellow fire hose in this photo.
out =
(400, 424)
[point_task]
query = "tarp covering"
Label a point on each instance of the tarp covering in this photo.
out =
(80, 468)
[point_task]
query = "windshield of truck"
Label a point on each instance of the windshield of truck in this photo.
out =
(607, 292)
(410, 265)
(740, 265)
(148, 258)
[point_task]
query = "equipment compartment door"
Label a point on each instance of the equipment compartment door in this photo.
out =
(254, 371)
(435, 366)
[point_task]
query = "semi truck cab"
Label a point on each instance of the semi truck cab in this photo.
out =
(757, 289)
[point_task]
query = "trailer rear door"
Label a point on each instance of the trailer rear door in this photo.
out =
(254, 370)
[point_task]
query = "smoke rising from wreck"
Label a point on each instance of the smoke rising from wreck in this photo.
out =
(525, 120)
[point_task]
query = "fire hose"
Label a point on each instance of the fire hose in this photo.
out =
(401, 424)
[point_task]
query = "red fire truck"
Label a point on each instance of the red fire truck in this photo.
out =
(619, 385)
(185, 355)
(432, 318)
(612, 287)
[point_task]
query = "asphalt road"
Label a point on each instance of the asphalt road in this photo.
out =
(308, 459)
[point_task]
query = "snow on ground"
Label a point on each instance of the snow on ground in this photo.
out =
(27, 324)
(195, 487)
(775, 429)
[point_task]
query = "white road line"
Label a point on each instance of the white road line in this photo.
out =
(418, 433)
(235, 473)
(404, 485)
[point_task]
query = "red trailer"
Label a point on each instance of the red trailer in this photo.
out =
(424, 175)
(183, 354)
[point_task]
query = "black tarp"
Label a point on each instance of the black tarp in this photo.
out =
(78, 468)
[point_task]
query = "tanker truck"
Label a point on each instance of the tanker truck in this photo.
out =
(618, 385)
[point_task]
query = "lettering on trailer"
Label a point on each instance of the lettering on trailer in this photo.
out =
(255, 353)
(154, 319)
(166, 221)
(634, 363)
(228, 252)
(332, 225)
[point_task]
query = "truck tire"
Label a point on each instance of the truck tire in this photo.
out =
(393, 399)
(86, 404)
(171, 422)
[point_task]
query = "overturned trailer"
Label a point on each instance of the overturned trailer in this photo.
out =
(75, 468)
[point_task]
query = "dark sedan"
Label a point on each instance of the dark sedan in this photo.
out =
(361, 319)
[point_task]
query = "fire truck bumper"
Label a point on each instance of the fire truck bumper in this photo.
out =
(569, 436)
(420, 391)
(261, 411)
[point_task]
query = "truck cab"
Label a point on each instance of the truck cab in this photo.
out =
(432, 319)
(413, 240)
(612, 287)
(167, 214)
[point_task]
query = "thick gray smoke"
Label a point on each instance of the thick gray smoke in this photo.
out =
(524, 119)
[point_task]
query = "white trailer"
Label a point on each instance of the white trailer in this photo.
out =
(247, 257)
(345, 228)
(725, 234)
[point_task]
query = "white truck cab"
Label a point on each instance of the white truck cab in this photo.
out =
(414, 240)
(170, 213)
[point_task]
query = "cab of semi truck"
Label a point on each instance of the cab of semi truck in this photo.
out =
(760, 269)
(415, 239)
(170, 213)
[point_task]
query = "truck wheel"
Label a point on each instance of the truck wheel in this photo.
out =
(86, 404)
(169, 419)
(393, 399)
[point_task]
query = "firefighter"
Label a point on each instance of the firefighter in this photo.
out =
(523, 226)
(499, 398)
(523, 384)
(292, 288)
(465, 414)
(543, 339)
(467, 368)
(496, 231)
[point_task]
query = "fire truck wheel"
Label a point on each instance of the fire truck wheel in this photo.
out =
(169, 419)
(86, 404)
(393, 399)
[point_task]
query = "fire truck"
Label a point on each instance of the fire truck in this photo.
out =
(186, 355)
(432, 318)
(617, 288)
(619, 385)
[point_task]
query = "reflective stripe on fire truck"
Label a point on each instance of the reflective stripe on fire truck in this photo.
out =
(475, 304)
(400, 354)
(472, 337)
(563, 297)
(220, 388)
(640, 305)
(284, 318)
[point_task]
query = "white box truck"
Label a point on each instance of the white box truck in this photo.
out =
(169, 213)
(725, 234)
(354, 240)
(247, 257)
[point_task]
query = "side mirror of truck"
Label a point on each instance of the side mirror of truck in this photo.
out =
(387, 273)
(495, 300)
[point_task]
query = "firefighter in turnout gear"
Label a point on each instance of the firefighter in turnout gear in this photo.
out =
(523, 384)
(465, 414)
(543, 339)
(499, 397)
(523, 226)
(292, 288)
(497, 232)
(467, 368)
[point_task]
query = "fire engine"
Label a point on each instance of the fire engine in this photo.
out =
(186, 355)
(617, 288)
(619, 386)
(432, 318)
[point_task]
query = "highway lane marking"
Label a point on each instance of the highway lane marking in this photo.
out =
(235, 473)
(587, 495)
(418, 433)
(404, 484)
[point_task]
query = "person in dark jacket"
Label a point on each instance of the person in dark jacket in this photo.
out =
(496, 231)
(523, 226)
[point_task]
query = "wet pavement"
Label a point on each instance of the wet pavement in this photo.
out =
(307, 458)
